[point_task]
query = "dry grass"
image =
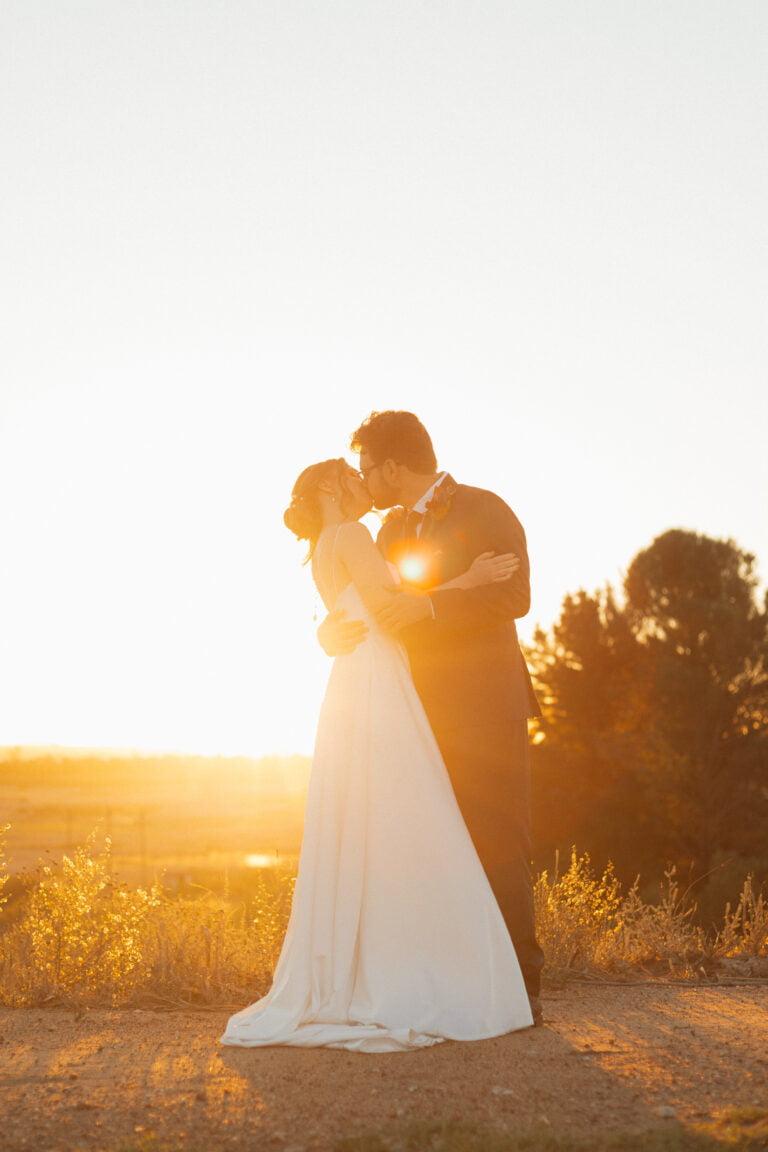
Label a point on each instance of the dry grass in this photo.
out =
(4, 877)
(81, 939)
(587, 928)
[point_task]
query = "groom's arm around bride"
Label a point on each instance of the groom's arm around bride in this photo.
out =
(491, 603)
(484, 521)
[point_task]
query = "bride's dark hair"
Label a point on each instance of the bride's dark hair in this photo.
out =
(303, 516)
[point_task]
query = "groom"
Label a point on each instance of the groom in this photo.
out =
(463, 650)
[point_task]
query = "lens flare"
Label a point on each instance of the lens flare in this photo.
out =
(412, 568)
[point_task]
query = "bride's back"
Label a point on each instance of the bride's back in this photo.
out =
(328, 571)
(358, 583)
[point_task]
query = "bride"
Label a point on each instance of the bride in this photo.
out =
(395, 940)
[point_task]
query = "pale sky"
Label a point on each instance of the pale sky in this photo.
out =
(231, 230)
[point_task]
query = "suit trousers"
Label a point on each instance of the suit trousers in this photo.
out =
(489, 768)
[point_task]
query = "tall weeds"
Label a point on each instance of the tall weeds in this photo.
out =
(743, 939)
(79, 938)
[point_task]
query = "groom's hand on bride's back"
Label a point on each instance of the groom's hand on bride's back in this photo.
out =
(338, 636)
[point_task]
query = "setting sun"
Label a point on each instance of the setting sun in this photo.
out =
(412, 568)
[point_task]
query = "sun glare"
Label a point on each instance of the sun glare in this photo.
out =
(412, 568)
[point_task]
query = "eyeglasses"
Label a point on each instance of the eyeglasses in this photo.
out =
(364, 473)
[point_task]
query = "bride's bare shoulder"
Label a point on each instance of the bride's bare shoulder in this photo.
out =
(353, 536)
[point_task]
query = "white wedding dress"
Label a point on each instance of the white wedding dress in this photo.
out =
(395, 940)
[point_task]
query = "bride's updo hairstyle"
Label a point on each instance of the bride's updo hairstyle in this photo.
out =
(304, 516)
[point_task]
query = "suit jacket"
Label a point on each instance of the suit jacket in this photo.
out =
(466, 663)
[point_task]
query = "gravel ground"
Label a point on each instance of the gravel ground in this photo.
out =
(629, 1058)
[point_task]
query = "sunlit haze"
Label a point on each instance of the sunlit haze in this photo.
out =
(231, 231)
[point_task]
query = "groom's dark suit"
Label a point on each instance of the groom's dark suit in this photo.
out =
(473, 681)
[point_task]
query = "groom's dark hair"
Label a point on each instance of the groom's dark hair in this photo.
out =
(398, 436)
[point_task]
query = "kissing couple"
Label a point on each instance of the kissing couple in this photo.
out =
(412, 918)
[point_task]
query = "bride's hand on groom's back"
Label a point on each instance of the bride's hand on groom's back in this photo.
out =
(409, 606)
(338, 636)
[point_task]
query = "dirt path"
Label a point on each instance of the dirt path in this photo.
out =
(609, 1058)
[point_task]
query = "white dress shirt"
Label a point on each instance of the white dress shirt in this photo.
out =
(421, 506)
(421, 503)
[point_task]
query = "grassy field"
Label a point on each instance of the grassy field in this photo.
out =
(194, 817)
(142, 901)
(133, 881)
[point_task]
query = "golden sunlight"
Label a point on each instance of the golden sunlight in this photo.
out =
(412, 568)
